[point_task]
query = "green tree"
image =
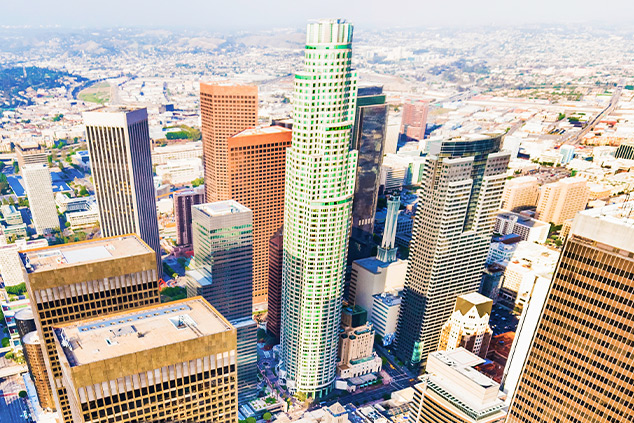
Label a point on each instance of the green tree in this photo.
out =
(50, 160)
(16, 167)
(198, 182)
(267, 416)
(5, 342)
(251, 420)
(22, 394)
(84, 192)
(67, 224)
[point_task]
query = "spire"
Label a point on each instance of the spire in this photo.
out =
(387, 250)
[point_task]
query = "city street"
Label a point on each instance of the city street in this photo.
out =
(11, 406)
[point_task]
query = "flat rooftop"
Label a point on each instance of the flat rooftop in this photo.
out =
(260, 130)
(611, 225)
(222, 208)
(67, 255)
(144, 329)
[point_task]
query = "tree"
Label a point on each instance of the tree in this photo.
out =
(67, 224)
(16, 167)
(22, 394)
(251, 420)
(5, 342)
(198, 182)
(83, 191)
(267, 416)
(50, 160)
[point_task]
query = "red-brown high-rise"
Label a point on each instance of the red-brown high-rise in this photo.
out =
(257, 168)
(225, 110)
(246, 164)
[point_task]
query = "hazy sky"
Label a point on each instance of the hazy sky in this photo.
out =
(260, 14)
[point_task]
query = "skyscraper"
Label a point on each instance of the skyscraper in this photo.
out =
(561, 200)
(257, 159)
(320, 173)
(83, 280)
(276, 259)
(166, 362)
(369, 140)
(413, 121)
(462, 187)
(225, 110)
(183, 202)
(223, 266)
(121, 161)
(39, 191)
(246, 164)
(579, 366)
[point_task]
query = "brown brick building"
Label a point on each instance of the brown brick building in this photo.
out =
(580, 366)
(166, 362)
(86, 279)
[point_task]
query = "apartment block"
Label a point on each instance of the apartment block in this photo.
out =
(561, 200)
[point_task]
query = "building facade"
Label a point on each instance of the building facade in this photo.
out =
(39, 190)
(463, 183)
(413, 121)
(183, 202)
(172, 362)
(520, 193)
(320, 174)
(120, 157)
(10, 263)
(222, 269)
(369, 140)
(578, 367)
(34, 357)
(276, 259)
(453, 391)
(70, 282)
(527, 228)
(468, 326)
(561, 200)
(257, 160)
(356, 353)
(225, 110)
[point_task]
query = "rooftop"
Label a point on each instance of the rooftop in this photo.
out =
(611, 225)
(222, 208)
(68, 255)
(259, 130)
(139, 330)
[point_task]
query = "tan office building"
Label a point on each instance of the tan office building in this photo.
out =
(520, 193)
(561, 200)
(579, 367)
(86, 279)
(166, 362)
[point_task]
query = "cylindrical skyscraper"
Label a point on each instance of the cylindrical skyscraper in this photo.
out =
(320, 174)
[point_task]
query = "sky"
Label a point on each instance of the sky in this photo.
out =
(262, 14)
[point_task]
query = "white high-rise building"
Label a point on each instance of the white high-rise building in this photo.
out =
(11, 266)
(320, 175)
(462, 191)
(39, 191)
(121, 161)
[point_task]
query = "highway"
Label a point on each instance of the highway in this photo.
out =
(576, 138)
